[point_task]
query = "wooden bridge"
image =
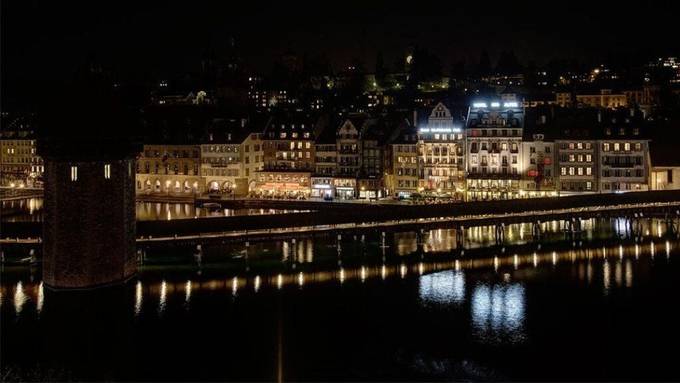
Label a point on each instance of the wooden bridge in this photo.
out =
(571, 210)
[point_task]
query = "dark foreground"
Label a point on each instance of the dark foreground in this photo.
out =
(599, 318)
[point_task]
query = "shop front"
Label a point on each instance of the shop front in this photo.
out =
(345, 188)
(322, 187)
(284, 185)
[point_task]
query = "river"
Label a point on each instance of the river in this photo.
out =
(601, 306)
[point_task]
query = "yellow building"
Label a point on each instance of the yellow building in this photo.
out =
(604, 99)
(167, 169)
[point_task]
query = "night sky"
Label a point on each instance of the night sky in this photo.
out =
(45, 40)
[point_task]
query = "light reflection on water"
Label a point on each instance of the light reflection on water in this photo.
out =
(443, 287)
(31, 209)
(439, 281)
(498, 311)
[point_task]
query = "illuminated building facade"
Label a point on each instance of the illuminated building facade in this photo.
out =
(20, 165)
(441, 147)
(624, 154)
(604, 99)
(290, 184)
(494, 143)
(170, 169)
(347, 144)
(401, 166)
(538, 164)
(289, 143)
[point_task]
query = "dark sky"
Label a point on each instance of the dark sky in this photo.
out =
(44, 40)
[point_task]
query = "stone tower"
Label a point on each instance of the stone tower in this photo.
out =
(89, 220)
(88, 146)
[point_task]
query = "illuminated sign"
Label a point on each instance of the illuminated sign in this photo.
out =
(439, 130)
(510, 104)
(479, 104)
(495, 104)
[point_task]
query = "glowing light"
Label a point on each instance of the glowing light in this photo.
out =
(495, 263)
(301, 279)
(41, 298)
(651, 248)
(515, 261)
(138, 298)
(402, 270)
(443, 287)
(187, 292)
(498, 310)
(20, 298)
(234, 285)
(342, 275)
(535, 260)
(621, 251)
(383, 272)
(420, 268)
(451, 129)
(279, 281)
(256, 284)
(162, 300)
(363, 273)
(479, 104)
(668, 248)
(554, 258)
(511, 104)
(637, 251)
(495, 104)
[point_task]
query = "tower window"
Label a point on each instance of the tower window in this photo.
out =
(107, 171)
(74, 173)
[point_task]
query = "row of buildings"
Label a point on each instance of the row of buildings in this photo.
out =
(494, 149)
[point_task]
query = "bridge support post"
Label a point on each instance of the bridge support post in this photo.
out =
(500, 233)
(460, 237)
(536, 229)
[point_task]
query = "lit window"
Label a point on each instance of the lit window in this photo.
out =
(605, 146)
(107, 171)
(74, 173)
(589, 171)
(626, 146)
(571, 171)
(616, 147)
